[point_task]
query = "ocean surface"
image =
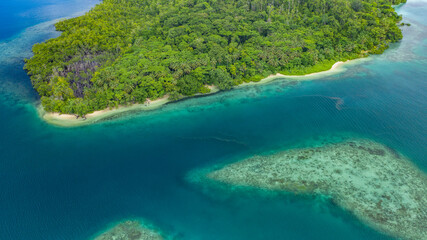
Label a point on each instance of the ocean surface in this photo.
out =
(72, 183)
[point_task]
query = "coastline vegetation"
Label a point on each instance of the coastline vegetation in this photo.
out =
(127, 51)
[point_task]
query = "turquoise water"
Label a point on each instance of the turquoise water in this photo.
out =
(59, 183)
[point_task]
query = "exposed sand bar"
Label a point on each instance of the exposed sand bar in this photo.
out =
(68, 120)
(378, 185)
(131, 230)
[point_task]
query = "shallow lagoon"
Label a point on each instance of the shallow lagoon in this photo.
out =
(61, 183)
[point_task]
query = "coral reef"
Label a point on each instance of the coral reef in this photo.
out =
(378, 185)
(130, 230)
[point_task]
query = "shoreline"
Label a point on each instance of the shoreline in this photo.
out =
(335, 69)
(69, 120)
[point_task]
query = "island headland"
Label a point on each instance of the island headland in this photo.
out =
(121, 54)
(380, 186)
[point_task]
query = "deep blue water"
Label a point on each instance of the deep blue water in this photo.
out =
(59, 183)
(19, 14)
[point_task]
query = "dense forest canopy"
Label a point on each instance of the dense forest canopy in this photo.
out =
(125, 51)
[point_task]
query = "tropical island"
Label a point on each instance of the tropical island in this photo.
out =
(127, 52)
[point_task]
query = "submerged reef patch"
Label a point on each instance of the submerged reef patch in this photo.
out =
(377, 184)
(131, 230)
